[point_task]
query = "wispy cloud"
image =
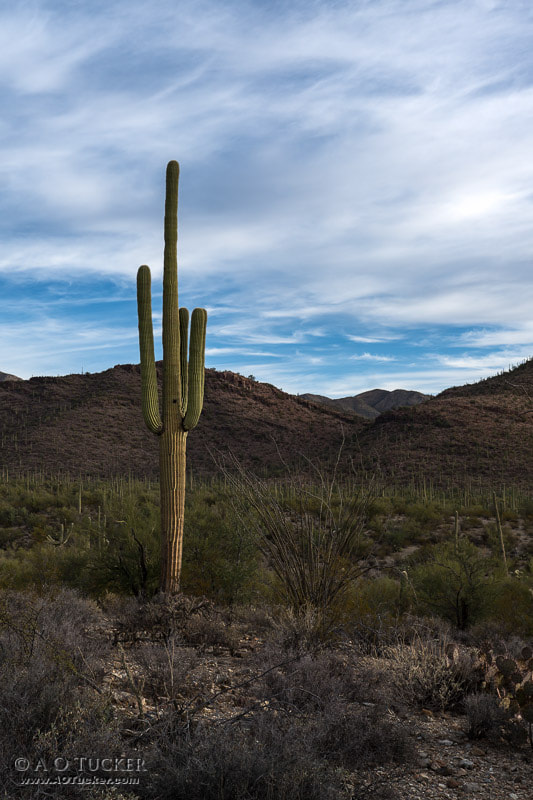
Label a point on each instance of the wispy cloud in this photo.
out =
(371, 357)
(499, 337)
(493, 362)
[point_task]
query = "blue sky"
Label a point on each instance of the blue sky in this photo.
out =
(356, 192)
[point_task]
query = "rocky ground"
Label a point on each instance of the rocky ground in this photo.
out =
(225, 683)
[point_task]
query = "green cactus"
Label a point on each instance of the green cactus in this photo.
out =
(513, 681)
(183, 386)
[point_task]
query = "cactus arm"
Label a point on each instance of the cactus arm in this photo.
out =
(150, 401)
(184, 344)
(171, 327)
(196, 368)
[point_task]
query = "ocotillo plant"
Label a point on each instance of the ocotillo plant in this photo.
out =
(183, 386)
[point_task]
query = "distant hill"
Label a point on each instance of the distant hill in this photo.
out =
(372, 403)
(478, 435)
(5, 376)
(93, 423)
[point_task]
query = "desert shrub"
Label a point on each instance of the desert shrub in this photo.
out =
(50, 662)
(313, 683)
(454, 583)
(295, 632)
(399, 533)
(41, 566)
(381, 596)
(82, 725)
(511, 606)
(526, 507)
(220, 559)
(426, 674)
(485, 716)
(182, 620)
(255, 619)
(267, 754)
(166, 669)
(355, 738)
(372, 635)
(426, 514)
(127, 562)
(9, 536)
(260, 758)
(7, 515)
(492, 536)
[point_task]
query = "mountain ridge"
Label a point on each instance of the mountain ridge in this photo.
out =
(373, 402)
(479, 434)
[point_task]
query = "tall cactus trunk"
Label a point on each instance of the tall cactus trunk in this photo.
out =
(172, 465)
(183, 386)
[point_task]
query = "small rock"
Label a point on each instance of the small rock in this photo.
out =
(477, 751)
(445, 770)
(466, 763)
(452, 783)
(458, 736)
(446, 742)
(471, 787)
(513, 796)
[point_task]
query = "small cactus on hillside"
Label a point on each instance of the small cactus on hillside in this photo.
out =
(183, 385)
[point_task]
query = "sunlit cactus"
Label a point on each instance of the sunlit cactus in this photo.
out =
(183, 386)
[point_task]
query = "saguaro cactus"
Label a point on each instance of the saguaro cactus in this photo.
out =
(183, 386)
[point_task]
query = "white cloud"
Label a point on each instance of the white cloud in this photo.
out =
(371, 357)
(499, 337)
(373, 339)
(490, 363)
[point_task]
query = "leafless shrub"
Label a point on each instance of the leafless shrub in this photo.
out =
(50, 670)
(312, 684)
(255, 619)
(425, 673)
(374, 635)
(166, 669)
(299, 631)
(357, 737)
(262, 758)
(485, 715)
(212, 631)
(183, 619)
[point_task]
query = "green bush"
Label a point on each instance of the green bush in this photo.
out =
(454, 584)
(511, 605)
(380, 596)
(220, 559)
